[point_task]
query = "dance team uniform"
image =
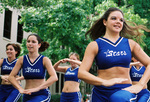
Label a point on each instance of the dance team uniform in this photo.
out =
(136, 74)
(110, 55)
(35, 70)
(71, 75)
(7, 92)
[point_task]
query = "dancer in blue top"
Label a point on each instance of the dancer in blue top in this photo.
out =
(113, 52)
(34, 68)
(71, 90)
(136, 72)
(7, 92)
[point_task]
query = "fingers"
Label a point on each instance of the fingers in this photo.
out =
(120, 80)
(26, 92)
(65, 60)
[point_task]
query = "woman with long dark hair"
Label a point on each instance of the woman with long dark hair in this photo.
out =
(112, 51)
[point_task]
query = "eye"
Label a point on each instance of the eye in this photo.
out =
(113, 18)
(122, 20)
(33, 41)
(28, 41)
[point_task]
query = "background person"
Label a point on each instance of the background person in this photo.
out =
(34, 66)
(7, 92)
(71, 90)
(136, 72)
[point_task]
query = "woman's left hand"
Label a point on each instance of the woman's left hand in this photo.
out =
(134, 88)
(29, 91)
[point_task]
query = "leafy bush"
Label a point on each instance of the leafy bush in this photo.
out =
(55, 98)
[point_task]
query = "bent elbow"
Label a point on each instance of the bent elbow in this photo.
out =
(79, 74)
(56, 79)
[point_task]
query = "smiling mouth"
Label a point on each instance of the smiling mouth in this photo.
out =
(116, 26)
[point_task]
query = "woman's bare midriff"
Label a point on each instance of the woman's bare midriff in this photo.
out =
(7, 82)
(115, 72)
(71, 86)
(33, 83)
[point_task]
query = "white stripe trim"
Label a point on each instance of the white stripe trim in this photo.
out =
(48, 98)
(148, 99)
(137, 69)
(112, 43)
(17, 98)
(34, 62)
(73, 69)
(79, 96)
(11, 62)
(133, 98)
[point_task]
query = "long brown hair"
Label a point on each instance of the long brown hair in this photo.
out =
(98, 29)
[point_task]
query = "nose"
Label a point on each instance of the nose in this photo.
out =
(118, 21)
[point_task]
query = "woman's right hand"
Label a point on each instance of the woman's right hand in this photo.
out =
(64, 60)
(23, 91)
(5, 78)
(113, 81)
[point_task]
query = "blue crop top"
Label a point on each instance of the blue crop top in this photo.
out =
(136, 74)
(34, 70)
(113, 54)
(7, 66)
(72, 75)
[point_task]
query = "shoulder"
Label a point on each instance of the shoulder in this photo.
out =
(91, 50)
(1, 61)
(20, 58)
(92, 44)
(46, 60)
(133, 45)
(131, 41)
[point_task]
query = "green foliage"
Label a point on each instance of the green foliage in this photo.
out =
(24, 50)
(63, 25)
(129, 13)
(55, 98)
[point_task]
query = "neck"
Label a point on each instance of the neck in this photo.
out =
(74, 67)
(11, 58)
(137, 66)
(33, 55)
(112, 37)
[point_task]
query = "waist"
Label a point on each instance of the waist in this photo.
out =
(71, 86)
(32, 83)
(115, 72)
